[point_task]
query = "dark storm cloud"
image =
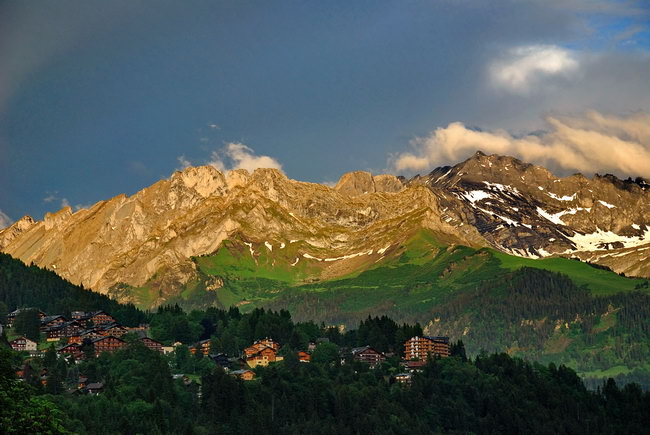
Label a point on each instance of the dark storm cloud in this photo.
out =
(307, 83)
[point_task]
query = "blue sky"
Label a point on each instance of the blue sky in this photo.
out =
(99, 98)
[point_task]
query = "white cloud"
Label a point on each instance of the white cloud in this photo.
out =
(184, 162)
(63, 202)
(238, 156)
(51, 196)
(524, 68)
(5, 220)
(590, 143)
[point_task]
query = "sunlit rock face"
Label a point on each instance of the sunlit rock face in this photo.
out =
(493, 201)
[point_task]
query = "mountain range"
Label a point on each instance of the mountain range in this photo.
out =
(499, 253)
(317, 233)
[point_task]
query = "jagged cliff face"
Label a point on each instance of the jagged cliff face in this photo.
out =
(158, 230)
(524, 210)
(485, 201)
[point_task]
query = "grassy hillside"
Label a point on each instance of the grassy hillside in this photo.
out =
(410, 281)
(552, 309)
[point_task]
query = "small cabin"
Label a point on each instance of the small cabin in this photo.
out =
(245, 374)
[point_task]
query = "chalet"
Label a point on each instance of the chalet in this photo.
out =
(203, 345)
(79, 337)
(152, 344)
(413, 366)
(261, 344)
(304, 356)
(404, 378)
(65, 330)
(107, 344)
(263, 357)
(220, 359)
(246, 375)
(23, 344)
(112, 328)
(423, 347)
(368, 355)
(11, 317)
(98, 318)
(76, 315)
(82, 382)
(72, 349)
(51, 321)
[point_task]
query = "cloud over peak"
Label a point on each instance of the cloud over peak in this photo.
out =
(5, 220)
(235, 155)
(593, 142)
(522, 68)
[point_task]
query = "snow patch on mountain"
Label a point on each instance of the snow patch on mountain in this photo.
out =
(601, 240)
(562, 198)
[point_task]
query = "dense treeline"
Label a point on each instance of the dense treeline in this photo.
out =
(31, 286)
(21, 410)
(231, 331)
(539, 313)
(491, 394)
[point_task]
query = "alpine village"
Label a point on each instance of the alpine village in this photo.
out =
(89, 334)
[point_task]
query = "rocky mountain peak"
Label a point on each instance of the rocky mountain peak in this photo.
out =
(361, 182)
(205, 180)
(14, 230)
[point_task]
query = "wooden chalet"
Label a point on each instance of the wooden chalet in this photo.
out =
(413, 366)
(152, 344)
(65, 330)
(11, 317)
(245, 374)
(76, 315)
(422, 348)
(108, 344)
(23, 344)
(113, 328)
(203, 345)
(304, 356)
(263, 357)
(261, 344)
(86, 334)
(71, 349)
(97, 318)
(404, 378)
(368, 355)
(52, 321)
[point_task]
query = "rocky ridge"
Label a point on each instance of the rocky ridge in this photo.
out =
(157, 230)
(524, 210)
(496, 201)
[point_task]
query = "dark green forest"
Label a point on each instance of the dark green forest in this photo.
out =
(489, 394)
(474, 391)
(31, 286)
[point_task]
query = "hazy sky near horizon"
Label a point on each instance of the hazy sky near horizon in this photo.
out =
(100, 98)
